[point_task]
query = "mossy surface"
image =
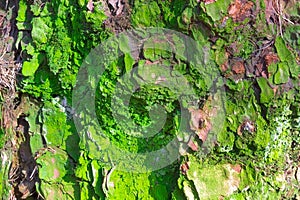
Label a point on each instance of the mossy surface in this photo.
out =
(247, 63)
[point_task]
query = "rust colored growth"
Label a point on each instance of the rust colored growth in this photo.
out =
(197, 119)
(184, 167)
(240, 10)
(202, 133)
(270, 58)
(263, 60)
(199, 123)
(193, 145)
(224, 67)
(238, 67)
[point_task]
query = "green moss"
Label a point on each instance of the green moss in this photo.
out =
(266, 91)
(283, 52)
(53, 172)
(217, 10)
(156, 48)
(288, 62)
(55, 127)
(146, 14)
(282, 74)
(204, 181)
(129, 186)
(62, 34)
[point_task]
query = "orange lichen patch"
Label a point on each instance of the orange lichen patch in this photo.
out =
(197, 118)
(238, 67)
(240, 10)
(224, 67)
(193, 145)
(200, 123)
(264, 60)
(271, 58)
(202, 133)
(184, 167)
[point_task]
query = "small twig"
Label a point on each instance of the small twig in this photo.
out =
(279, 13)
(264, 47)
(51, 149)
(6, 4)
(108, 176)
(39, 195)
(105, 191)
(33, 173)
(1, 58)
